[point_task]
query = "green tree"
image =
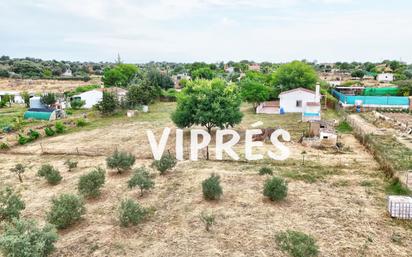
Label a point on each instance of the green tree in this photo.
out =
(141, 93)
(66, 210)
(120, 75)
(293, 75)
(19, 169)
(22, 238)
(254, 92)
(209, 104)
(358, 74)
(77, 104)
(89, 185)
(159, 79)
(108, 104)
(203, 73)
(121, 161)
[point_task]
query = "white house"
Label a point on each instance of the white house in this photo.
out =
(91, 97)
(296, 100)
(67, 73)
(385, 77)
(17, 98)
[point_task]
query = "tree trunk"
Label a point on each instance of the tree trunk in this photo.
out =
(209, 130)
(21, 180)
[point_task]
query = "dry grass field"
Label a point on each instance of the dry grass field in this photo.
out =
(339, 199)
(43, 85)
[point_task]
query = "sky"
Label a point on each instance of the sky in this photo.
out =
(207, 30)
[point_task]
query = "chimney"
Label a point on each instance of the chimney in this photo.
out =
(317, 93)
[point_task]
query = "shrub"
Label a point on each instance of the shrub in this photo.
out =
(344, 127)
(108, 103)
(208, 219)
(4, 146)
(60, 128)
(49, 132)
(51, 174)
(265, 170)
(211, 188)
(66, 210)
(10, 204)
(19, 169)
(71, 164)
(22, 140)
(165, 163)
(33, 135)
(81, 123)
(141, 178)
(297, 244)
(122, 161)
(22, 238)
(90, 184)
(77, 104)
(395, 187)
(275, 188)
(131, 213)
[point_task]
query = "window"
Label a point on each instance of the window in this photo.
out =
(299, 103)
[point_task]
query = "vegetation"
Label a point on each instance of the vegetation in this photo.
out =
(208, 219)
(344, 127)
(89, 185)
(66, 210)
(108, 104)
(165, 163)
(275, 188)
(81, 123)
(49, 132)
(265, 170)
(121, 161)
(141, 92)
(209, 104)
(23, 238)
(51, 174)
(211, 188)
(19, 169)
(77, 104)
(120, 75)
(141, 178)
(48, 99)
(131, 213)
(395, 187)
(297, 244)
(10, 204)
(254, 92)
(71, 164)
(60, 128)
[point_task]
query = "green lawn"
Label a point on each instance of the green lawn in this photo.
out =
(8, 114)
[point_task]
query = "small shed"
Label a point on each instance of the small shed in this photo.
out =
(400, 206)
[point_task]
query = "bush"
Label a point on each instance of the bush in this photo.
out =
(131, 213)
(344, 127)
(141, 178)
(51, 174)
(90, 184)
(71, 164)
(165, 163)
(23, 238)
(4, 146)
(208, 219)
(265, 170)
(49, 132)
(297, 244)
(275, 188)
(33, 135)
(211, 188)
(10, 204)
(60, 128)
(122, 161)
(66, 210)
(22, 140)
(108, 104)
(81, 123)
(77, 104)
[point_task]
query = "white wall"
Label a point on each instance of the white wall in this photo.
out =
(385, 77)
(288, 100)
(91, 98)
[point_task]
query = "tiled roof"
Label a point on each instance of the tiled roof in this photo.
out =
(298, 89)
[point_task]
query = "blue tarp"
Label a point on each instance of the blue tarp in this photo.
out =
(371, 100)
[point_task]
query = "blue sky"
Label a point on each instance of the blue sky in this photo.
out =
(207, 30)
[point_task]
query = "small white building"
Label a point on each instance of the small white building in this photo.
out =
(385, 77)
(90, 98)
(296, 100)
(67, 73)
(17, 98)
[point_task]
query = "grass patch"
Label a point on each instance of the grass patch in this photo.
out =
(395, 187)
(310, 174)
(344, 127)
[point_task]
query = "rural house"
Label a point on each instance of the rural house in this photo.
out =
(94, 96)
(301, 100)
(384, 77)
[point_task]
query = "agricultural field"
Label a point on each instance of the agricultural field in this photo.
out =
(44, 85)
(339, 198)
